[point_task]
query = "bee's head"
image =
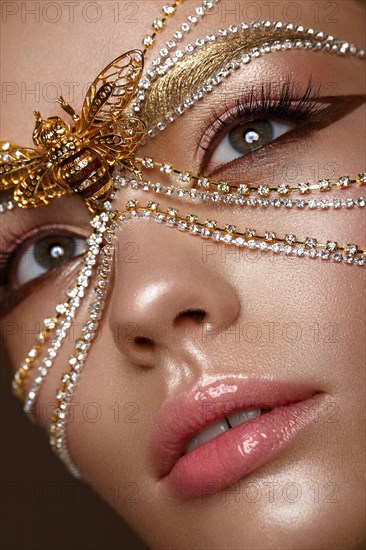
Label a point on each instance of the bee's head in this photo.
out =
(48, 132)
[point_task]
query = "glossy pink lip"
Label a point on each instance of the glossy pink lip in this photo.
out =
(233, 454)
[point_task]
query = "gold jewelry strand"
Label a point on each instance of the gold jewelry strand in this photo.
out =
(264, 190)
(249, 237)
(49, 326)
(158, 25)
(121, 145)
(122, 180)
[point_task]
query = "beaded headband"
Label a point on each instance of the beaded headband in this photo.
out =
(96, 157)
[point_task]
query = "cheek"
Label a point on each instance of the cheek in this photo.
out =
(113, 414)
(115, 405)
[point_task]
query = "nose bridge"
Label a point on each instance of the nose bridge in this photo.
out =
(167, 294)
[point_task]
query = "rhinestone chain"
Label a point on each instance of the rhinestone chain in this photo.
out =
(171, 44)
(159, 24)
(65, 314)
(225, 72)
(185, 176)
(76, 362)
(122, 181)
(7, 205)
(166, 62)
(106, 222)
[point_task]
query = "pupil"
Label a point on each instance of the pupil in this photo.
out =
(51, 251)
(56, 251)
(251, 136)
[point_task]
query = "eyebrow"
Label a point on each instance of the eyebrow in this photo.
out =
(194, 70)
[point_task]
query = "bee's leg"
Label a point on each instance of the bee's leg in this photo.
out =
(91, 207)
(69, 110)
(132, 168)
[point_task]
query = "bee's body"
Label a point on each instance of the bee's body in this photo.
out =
(86, 173)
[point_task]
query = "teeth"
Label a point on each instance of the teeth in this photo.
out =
(238, 417)
(208, 433)
(222, 425)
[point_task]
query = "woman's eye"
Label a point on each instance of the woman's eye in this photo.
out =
(247, 137)
(46, 254)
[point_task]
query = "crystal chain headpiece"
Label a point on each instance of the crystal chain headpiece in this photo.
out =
(112, 124)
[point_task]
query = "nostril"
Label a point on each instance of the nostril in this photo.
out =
(143, 341)
(194, 314)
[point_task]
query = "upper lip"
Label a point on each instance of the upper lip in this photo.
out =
(180, 418)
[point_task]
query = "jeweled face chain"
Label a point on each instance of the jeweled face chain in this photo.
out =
(96, 157)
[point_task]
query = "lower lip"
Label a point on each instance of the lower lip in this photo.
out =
(229, 457)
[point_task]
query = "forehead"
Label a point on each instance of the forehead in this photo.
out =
(57, 48)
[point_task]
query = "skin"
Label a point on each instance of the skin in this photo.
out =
(149, 296)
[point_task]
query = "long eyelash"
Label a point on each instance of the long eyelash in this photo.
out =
(268, 101)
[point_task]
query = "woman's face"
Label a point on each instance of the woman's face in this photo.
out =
(194, 320)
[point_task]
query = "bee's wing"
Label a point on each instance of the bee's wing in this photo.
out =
(15, 162)
(111, 91)
(40, 185)
(118, 140)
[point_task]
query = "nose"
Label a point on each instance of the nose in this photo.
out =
(168, 297)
